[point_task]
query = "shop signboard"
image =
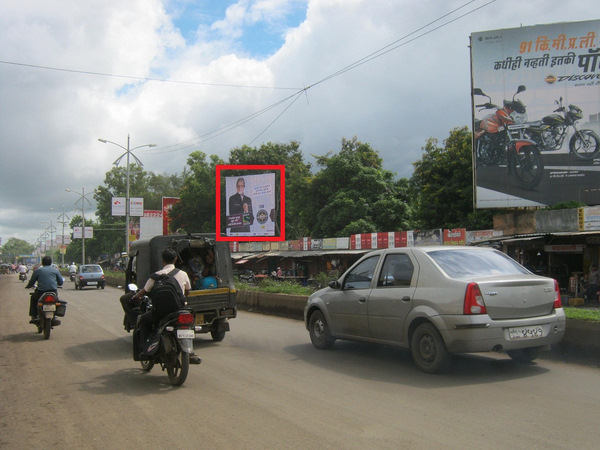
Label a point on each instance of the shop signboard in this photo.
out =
(457, 236)
(540, 82)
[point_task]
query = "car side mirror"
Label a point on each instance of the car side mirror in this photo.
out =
(335, 284)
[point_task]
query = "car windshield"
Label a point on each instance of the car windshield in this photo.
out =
(466, 263)
(91, 269)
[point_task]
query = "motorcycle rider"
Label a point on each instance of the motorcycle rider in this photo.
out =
(23, 269)
(48, 279)
(72, 268)
(152, 317)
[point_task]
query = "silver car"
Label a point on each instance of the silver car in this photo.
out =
(437, 301)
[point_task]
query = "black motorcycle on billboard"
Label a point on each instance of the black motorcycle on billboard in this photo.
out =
(500, 140)
(552, 130)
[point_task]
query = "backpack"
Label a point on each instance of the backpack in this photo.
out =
(166, 294)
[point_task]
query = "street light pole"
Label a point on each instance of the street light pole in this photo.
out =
(83, 199)
(128, 152)
(63, 218)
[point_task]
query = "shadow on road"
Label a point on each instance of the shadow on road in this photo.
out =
(31, 336)
(395, 366)
(131, 382)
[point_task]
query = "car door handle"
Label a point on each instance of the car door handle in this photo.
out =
(406, 298)
(362, 299)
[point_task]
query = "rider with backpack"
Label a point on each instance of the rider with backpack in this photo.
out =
(167, 288)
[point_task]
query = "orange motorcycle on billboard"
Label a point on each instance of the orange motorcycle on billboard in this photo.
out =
(500, 140)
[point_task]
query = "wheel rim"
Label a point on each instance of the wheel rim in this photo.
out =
(319, 329)
(427, 348)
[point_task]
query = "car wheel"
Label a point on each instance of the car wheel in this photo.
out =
(319, 331)
(524, 355)
(428, 349)
(102, 286)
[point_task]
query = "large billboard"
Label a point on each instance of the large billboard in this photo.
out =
(536, 107)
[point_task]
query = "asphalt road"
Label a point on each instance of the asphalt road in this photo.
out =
(265, 386)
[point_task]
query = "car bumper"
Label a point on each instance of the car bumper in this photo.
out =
(465, 334)
(91, 283)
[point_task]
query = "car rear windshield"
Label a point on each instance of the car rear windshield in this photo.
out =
(466, 263)
(91, 269)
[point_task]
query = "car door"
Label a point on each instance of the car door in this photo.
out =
(392, 298)
(347, 306)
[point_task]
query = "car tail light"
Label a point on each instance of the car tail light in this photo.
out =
(557, 301)
(185, 319)
(102, 277)
(474, 300)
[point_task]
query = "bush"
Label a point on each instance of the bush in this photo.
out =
(322, 279)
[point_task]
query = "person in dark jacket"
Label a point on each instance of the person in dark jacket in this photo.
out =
(48, 279)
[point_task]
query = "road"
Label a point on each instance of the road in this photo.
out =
(265, 386)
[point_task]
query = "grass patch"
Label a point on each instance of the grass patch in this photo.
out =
(592, 315)
(277, 287)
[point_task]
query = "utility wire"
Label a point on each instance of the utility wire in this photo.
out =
(131, 77)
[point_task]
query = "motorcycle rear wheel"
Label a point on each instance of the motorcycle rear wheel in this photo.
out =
(47, 328)
(179, 370)
(527, 166)
(585, 144)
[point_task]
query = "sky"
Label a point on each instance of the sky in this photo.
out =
(210, 76)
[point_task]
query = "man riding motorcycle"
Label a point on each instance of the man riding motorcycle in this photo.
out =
(48, 279)
(152, 317)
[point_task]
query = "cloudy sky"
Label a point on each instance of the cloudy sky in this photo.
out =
(209, 75)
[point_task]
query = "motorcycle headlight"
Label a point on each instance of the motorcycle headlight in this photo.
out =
(518, 118)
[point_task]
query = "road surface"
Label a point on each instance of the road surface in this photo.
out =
(265, 386)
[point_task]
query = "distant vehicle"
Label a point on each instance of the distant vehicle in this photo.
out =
(90, 275)
(437, 301)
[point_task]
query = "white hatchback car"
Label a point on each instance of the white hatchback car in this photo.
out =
(436, 301)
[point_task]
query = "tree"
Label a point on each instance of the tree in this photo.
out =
(15, 247)
(195, 212)
(442, 185)
(352, 193)
(297, 179)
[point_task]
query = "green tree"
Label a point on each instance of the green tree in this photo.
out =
(15, 247)
(195, 212)
(442, 185)
(352, 193)
(297, 179)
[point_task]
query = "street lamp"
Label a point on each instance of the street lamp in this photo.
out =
(63, 218)
(83, 199)
(128, 151)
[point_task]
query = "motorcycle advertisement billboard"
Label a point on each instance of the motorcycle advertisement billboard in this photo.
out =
(536, 112)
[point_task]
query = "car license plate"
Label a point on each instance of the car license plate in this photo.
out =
(185, 334)
(199, 319)
(49, 307)
(521, 333)
(92, 283)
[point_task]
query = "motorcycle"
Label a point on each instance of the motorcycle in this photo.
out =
(170, 344)
(49, 307)
(23, 276)
(500, 139)
(72, 276)
(551, 131)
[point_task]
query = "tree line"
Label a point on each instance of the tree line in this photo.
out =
(347, 192)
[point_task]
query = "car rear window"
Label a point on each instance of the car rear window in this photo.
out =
(465, 263)
(91, 269)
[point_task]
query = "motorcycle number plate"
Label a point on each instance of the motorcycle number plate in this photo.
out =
(49, 307)
(185, 334)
